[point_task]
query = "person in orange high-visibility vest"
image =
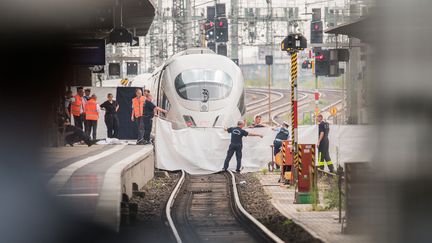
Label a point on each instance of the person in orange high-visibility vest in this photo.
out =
(92, 110)
(77, 108)
(138, 114)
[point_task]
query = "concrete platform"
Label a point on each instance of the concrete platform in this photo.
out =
(322, 225)
(92, 181)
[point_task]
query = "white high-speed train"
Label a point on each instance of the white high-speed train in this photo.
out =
(199, 89)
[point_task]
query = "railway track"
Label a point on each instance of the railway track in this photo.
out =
(278, 108)
(254, 92)
(287, 108)
(206, 208)
(260, 107)
(264, 101)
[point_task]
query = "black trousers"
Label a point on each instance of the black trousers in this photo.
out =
(237, 148)
(79, 120)
(74, 134)
(91, 127)
(148, 123)
(140, 126)
(112, 124)
(277, 146)
(324, 155)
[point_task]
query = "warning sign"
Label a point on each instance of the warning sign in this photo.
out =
(124, 82)
(333, 111)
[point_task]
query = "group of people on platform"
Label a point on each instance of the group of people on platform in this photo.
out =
(84, 109)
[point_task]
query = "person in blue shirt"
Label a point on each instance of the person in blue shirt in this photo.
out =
(282, 135)
(237, 134)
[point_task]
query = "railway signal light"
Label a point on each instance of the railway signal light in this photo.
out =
(327, 62)
(211, 46)
(294, 42)
(316, 14)
(210, 35)
(221, 30)
(307, 64)
(220, 10)
(211, 12)
(217, 24)
(322, 62)
(222, 49)
(316, 32)
(209, 24)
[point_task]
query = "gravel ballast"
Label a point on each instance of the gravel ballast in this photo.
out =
(257, 203)
(149, 223)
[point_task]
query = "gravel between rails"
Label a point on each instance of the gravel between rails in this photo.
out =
(257, 203)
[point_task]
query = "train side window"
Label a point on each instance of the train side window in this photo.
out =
(165, 103)
(241, 104)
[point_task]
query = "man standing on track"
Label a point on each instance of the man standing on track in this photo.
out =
(237, 133)
(323, 144)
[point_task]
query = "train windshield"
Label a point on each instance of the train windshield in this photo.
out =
(203, 84)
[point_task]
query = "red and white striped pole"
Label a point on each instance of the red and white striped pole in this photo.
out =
(294, 118)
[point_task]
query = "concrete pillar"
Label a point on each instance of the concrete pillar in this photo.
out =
(234, 29)
(188, 24)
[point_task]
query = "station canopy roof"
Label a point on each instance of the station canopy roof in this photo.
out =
(87, 19)
(361, 28)
(138, 15)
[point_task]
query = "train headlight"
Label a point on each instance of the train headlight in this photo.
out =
(189, 121)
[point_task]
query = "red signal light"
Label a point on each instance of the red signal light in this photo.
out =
(220, 24)
(316, 26)
(211, 24)
(320, 57)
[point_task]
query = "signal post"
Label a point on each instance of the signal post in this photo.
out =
(292, 44)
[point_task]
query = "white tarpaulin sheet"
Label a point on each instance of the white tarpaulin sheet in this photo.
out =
(203, 150)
